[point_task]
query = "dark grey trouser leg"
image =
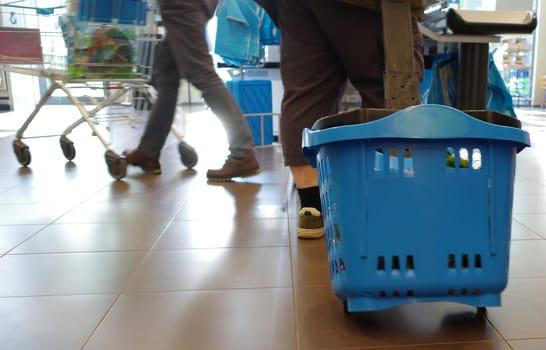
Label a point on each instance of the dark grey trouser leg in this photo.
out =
(162, 113)
(185, 22)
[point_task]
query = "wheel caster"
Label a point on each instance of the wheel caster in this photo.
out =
(482, 311)
(21, 152)
(117, 166)
(188, 155)
(68, 147)
(346, 307)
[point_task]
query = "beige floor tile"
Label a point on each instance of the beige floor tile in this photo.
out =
(223, 233)
(520, 232)
(70, 194)
(226, 208)
(529, 344)
(483, 345)
(12, 236)
(528, 259)
(123, 211)
(213, 269)
(310, 263)
(93, 237)
(522, 313)
(322, 323)
(535, 222)
(166, 189)
(241, 319)
(522, 187)
(63, 274)
(31, 214)
(529, 203)
(50, 322)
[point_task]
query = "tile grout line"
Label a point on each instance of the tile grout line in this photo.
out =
(289, 194)
(128, 280)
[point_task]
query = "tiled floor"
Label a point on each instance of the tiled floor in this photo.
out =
(171, 262)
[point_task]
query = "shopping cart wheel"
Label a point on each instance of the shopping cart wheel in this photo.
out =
(117, 166)
(21, 152)
(68, 147)
(188, 155)
(346, 307)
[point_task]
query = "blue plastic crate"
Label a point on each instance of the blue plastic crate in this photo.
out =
(113, 11)
(404, 222)
(255, 97)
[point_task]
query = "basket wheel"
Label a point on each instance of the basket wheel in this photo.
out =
(21, 152)
(482, 311)
(346, 307)
(117, 166)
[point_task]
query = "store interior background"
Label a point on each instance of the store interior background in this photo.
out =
(521, 319)
(25, 91)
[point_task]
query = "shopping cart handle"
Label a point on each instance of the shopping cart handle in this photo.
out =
(491, 22)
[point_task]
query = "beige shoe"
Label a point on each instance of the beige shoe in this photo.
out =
(310, 225)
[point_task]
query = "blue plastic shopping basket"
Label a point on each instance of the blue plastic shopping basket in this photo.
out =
(417, 203)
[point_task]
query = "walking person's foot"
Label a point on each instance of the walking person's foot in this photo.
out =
(233, 167)
(148, 165)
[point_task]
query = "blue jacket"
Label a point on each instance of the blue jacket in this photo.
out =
(269, 32)
(238, 32)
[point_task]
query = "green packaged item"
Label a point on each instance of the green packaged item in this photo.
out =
(100, 51)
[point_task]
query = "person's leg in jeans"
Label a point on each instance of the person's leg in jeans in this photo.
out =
(185, 22)
(161, 117)
(316, 35)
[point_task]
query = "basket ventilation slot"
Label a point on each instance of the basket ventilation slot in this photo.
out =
(465, 261)
(397, 161)
(464, 291)
(337, 266)
(463, 159)
(395, 293)
(396, 263)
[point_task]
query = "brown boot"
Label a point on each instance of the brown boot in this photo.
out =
(137, 158)
(235, 168)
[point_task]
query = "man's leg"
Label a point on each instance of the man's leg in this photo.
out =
(186, 22)
(317, 51)
(161, 115)
(312, 78)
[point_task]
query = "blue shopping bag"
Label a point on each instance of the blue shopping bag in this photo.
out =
(443, 85)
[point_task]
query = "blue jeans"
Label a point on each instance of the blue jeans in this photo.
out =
(184, 54)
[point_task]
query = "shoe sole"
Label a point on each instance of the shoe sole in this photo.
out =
(248, 173)
(148, 171)
(310, 233)
(152, 171)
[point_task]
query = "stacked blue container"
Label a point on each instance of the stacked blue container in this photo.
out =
(113, 11)
(254, 97)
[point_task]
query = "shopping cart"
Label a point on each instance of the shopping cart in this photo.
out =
(417, 200)
(105, 42)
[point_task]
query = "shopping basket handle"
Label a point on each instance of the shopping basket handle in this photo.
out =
(427, 121)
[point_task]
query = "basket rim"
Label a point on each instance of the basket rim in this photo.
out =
(366, 115)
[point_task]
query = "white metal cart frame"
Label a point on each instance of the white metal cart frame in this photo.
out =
(59, 80)
(120, 86)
